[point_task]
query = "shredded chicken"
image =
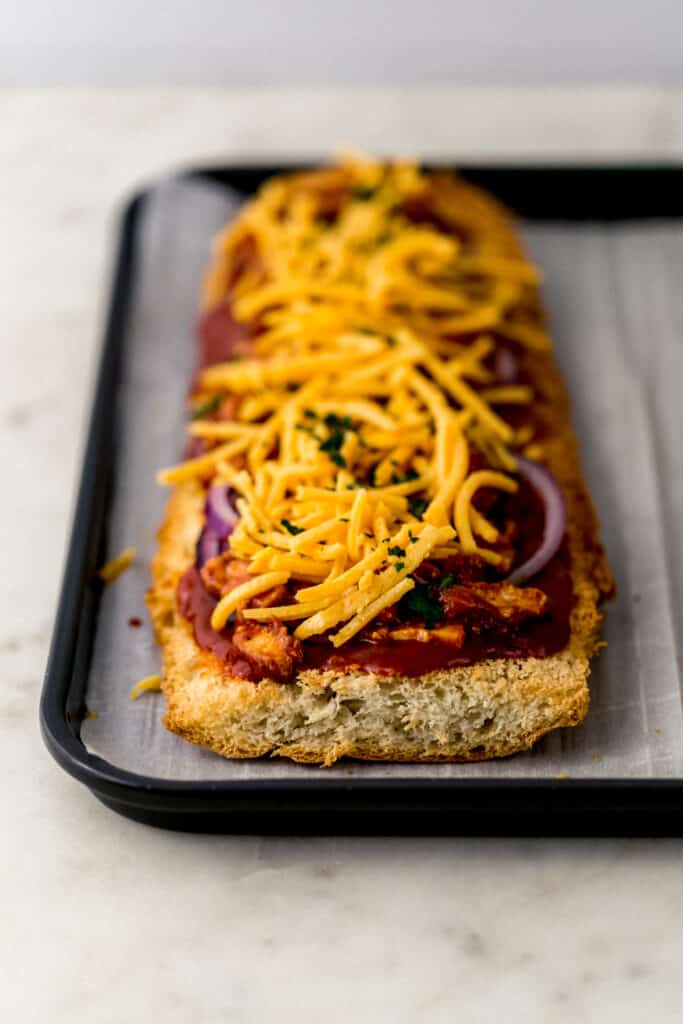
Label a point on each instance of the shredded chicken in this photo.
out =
(229, 407)
(410, 633)
(222, 574)
(502, 600)
(269, 647)
(275, 596)
(453, 633)
(461, 568)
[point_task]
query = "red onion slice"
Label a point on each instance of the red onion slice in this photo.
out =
(550, 493)
(209, 546)
(506, 367)
(221, 516)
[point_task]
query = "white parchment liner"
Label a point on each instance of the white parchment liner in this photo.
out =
(615, 296)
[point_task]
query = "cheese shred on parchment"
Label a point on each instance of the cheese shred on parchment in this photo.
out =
(149, 683)
(116, 566)
(368, 388)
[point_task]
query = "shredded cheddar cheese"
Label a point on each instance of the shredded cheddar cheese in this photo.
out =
(227, 605)
(112, 569)
(149, 683)
(464, 510)
(367, 390)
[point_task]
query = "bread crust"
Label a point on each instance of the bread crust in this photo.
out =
(490, 709)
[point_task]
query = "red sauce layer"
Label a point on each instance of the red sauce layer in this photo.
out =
(538, 639)
(219, 336)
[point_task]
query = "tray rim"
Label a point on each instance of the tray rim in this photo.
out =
(400, 805)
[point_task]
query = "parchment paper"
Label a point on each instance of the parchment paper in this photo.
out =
(615, 297)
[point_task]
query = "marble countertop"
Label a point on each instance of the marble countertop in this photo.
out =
(108, 921)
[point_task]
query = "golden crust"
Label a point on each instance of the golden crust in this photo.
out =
(490, 709)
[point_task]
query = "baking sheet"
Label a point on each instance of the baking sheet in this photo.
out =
(616, 306)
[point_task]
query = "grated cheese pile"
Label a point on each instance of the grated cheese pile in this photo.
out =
(358, 412)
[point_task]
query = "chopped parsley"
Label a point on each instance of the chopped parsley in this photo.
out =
(332, 450)
(335, 422)
(422, 603)
(363, 193)
(206, 408)
(412, 536)
(291, 528)
(396, 550)
(447, 581)
(399, 566)
(338, 426)
(418, 506)
(410, 474)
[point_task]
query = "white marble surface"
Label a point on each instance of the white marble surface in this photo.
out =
(106, 921)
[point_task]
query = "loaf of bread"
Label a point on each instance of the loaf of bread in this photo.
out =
(380, 544)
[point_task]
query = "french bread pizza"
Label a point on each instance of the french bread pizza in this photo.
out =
(379, 544)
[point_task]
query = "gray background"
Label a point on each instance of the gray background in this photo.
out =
(272, 42)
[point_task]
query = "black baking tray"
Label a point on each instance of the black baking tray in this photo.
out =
(323, 805)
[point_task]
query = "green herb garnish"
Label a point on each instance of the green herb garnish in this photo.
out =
(334, 453)
(422, 603)
(335, 422)
(447, 581)
(418, 506)
(338, 426)
(396, 550)
(206, 408)
(291, 528)
(410, 474)
(399, 566)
